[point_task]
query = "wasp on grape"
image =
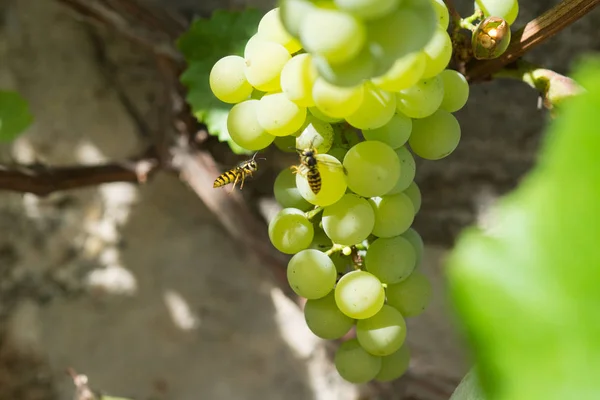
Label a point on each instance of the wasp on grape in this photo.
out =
(238, 173)
(309, 167)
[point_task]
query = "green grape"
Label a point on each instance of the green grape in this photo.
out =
(227, 80)
(333, 182)
(367, 9)
(317, 134)
(349, 221)
(323, 117)
(414, 194)
(376, 110)
(278, 115)
(404, 73)
(372, 168)
(290, 231)
(417, 242)
(382, 334)
(411, 296)
(253, 44)
(391, 259)
(325, 319)
(350, 73)
(311, 274)
(344, 45)
(321, 242)
(442, 13)
(336, 101)
(286, 192)
(338, 152)
(286, 143)
(456, 90)
(354, 364)
(438, 53)
(394, 365)
(436, 136)
(292, 13)
(297, 79)
(244, 128)
(271, 28)
(359, 294)
(413, 21)
(505, 9)
(395, 133)
(394, 214)
(408, 168)
(422, 99)
(264, 64)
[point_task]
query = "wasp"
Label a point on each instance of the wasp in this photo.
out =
(238, 173)
(308, 168)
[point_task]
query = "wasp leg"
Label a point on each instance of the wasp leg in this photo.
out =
(234, 183)
(244, 179)
(295, 169)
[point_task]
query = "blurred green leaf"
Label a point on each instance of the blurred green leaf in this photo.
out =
(207, 41)
(468, 388)
(527, 290)
(14, 115)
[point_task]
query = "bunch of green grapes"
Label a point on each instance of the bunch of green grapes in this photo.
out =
(356, 87)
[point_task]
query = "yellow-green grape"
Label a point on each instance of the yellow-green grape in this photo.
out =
(491, 38)
(359, 294)
(438, 52)
(290, 231)
(286, 193)
(349, 221)
(506, 9)
(333, 182)
(411, 296)
(422, 99)
(416, 241)
(286, 143)
(395, 133)
(335, 101)
(298, 78)
(391, 260)
(408, 170)
(404, 73)
(394, 365)
(244, 128)
(315, 133)
(325, 319)
(376, 110)
(367, 9)
(372, 168)
(344, 45)
(442, 13)
(354, 364)
(436, 136)
(414, 194)
(338, 152)
(264, 64)
(456, 90)
(278, 115)
(311, 274)
(321, 241)
(292, 13)
(271, 28)
(350, 73)
(323, 117)
(253, 44)
(394, 214)
(382, 334)
(228, 81)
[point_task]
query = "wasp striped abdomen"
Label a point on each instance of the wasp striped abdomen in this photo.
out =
(226, 178)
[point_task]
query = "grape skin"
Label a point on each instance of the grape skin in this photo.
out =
(349, 221)
(395, 133)
(244, 129)
(408, 170)
(336, 101)
(286, 193)
(411, 296)
(271, 28)
(359, 294)
(436, 136)
(354, 364)
(438, 53)
(394, 365)
(372, 168)
(315, 133)
(505, 9)
(290, 231)
(456, 90)
(278, 115)
(382, 334)
(324, 318)
(376, 110)
(414, 194)
(264, 64)
(422, 99)
(228, 81)
(392, 260)
(297, 79)
(311, 274)
(394, 214)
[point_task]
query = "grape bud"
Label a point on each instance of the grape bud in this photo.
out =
(491, 38)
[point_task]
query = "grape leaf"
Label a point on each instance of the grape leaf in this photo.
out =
(468, 388)
(527, 289)
(207, 41)
(14, 115)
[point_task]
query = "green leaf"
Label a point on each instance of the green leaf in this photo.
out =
(468, 388)
(14, 115)
(527, 290)
(207, 41)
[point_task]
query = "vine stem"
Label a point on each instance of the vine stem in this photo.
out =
(534, 33)
(335, 249)
(313, 213)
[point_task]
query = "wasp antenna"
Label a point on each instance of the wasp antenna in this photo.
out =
(254, 156)
(262, 158)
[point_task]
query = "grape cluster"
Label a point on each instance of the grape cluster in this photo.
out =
(359, 81)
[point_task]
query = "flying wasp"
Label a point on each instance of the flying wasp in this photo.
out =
(238, 173)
